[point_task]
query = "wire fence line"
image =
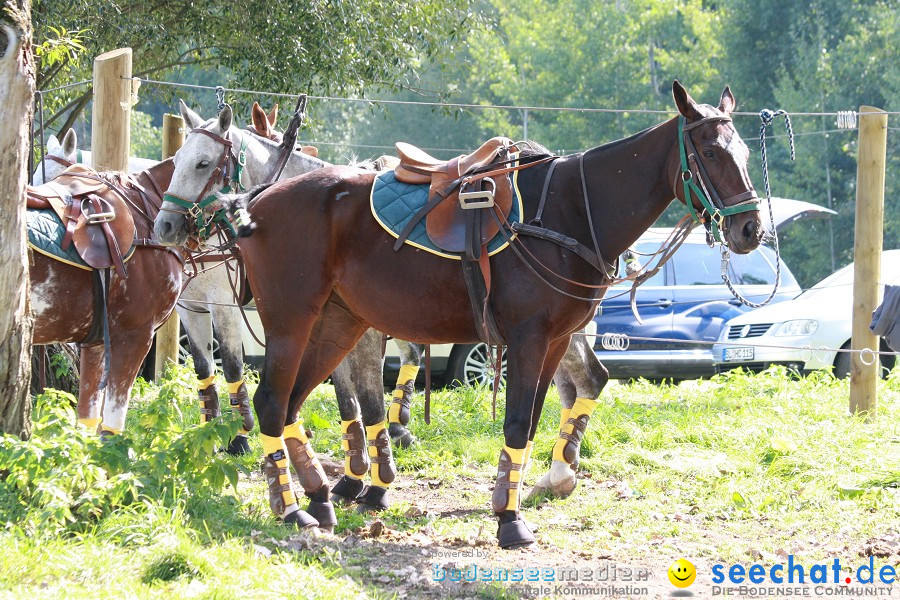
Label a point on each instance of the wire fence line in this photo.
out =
(465, 105)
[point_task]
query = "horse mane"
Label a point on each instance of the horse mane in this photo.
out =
(236, 206)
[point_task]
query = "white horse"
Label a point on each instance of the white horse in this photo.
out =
(62, 155)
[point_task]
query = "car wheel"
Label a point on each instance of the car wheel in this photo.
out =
(842, 362)
(471, 364)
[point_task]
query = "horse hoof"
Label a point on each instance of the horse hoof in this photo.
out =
(347, 489)
(401, 436)
(301, 519)
(323, 512)
(374, 500)
(514, 534)
(238, 446)
(559, 482)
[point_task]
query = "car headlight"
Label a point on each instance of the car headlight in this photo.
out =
(797, 327)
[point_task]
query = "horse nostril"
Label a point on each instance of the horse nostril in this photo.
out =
(751, 230)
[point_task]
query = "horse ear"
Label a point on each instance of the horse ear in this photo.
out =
(225, 118)
(727, 103)
(52, 143)
(273, 115)
(259, 120)
(191, 119)
(686, 105)
(70, 142)
(310, 151)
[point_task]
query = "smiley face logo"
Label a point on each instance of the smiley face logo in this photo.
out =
(682, 573)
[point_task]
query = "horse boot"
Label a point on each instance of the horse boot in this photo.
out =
(90, 424)
(282, 500)
(239, 400)
(356, 463)
(383, 469)
(312, 476)
(560, 479)
(398, 414)
(513, 532)
(209, 399)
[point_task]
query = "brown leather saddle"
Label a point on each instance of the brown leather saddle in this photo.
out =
(93, 211)
(456, 189)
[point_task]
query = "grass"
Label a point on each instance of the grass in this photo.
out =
(727, 470)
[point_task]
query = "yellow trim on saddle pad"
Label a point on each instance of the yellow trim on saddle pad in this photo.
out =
(518, 198)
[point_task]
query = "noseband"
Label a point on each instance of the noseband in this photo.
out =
(694, 178)
(194, 208)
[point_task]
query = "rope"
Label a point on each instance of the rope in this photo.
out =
(767, 117)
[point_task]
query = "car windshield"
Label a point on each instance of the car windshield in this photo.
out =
(843, 277)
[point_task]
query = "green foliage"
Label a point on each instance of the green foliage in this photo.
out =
(66, 479)
(146, 140)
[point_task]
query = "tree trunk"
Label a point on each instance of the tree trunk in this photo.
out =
(17, 72)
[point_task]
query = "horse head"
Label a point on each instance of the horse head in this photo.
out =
(59, 157)
(217, 158)
(712, 179)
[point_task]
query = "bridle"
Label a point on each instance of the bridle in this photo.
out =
(694, 178)
(229, 164)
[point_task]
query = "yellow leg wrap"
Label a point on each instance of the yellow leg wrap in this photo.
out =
(295, 430)
(202, 384)
(90, 424)
(582, 407)
(345, 446)
(233, 388)
(517, 456)
(526, 460)
(372, 433)
(108, 429)
(274, 447)
(564, 417)
(407, 373)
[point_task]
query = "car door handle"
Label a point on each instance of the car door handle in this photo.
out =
(664, 302)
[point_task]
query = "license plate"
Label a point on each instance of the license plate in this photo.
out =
(737, 354)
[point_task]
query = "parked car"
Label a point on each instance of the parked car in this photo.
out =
(807, 328)
(685, 301)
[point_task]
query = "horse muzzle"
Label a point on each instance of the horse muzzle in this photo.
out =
(170, 228)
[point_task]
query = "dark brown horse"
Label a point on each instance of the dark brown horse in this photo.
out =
(63, 300)
(324, 271)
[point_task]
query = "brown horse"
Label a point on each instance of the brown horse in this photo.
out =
(63, 299)
(324, 271)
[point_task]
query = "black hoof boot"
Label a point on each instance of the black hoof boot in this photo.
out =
(514, 534)
(238, 446)
(301, 519)
(323, 512)
(374, 500)
(347, 489)
(401, 436)
(107, 436)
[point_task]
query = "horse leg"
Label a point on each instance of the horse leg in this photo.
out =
(353, 435)
(285, 347)
(554, 355)
(398, 415)
(334, 334)
(128, 347)
(370, 384)
(227, 325)
(527, 355)
(583, 377)
(90, 398)
(200, 335)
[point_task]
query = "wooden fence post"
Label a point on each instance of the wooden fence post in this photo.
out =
(111, 118)
(867, 246)
(169, 332)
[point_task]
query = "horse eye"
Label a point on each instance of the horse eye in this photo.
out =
(709, 154)
(202, 164)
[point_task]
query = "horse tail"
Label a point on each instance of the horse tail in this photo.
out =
(236, 207)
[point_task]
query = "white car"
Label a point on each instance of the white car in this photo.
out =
(802, 333)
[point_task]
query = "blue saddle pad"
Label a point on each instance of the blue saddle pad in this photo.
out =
(45, 235)
(394, 204)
